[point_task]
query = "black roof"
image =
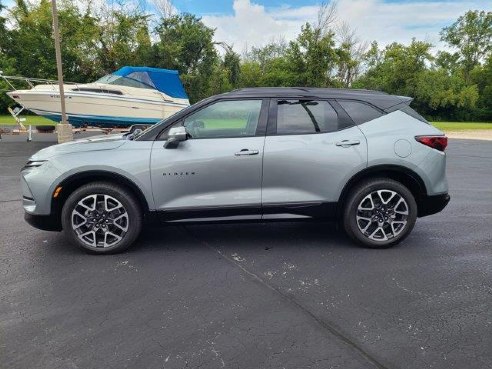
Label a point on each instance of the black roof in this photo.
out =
(378, 98)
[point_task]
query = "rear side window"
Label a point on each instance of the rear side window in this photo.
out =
(359, 111)
(305, 116)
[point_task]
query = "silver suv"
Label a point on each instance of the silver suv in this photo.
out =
(364, 158)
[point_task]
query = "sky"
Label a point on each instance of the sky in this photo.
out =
(247, 23)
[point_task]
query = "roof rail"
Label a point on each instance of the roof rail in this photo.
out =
(312, 89)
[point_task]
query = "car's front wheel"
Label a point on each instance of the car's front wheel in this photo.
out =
(379, 213)
(101, 218)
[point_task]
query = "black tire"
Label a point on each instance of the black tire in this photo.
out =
(355, 198)
(132, 221)
(45, 129)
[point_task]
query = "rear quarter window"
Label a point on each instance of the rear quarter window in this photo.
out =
(360, 112)
(408, 110)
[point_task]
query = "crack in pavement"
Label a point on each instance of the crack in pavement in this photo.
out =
(14, 200)
(325, 325)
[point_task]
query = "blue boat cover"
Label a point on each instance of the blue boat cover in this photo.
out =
(164, 80)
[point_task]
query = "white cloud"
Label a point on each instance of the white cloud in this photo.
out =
(254, 25)
(251, 25)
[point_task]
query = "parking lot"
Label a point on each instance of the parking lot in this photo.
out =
(284, 295)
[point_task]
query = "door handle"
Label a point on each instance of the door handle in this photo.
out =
(245, 152)
(348, 143)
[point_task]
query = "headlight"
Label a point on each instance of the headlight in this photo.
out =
(33, 164)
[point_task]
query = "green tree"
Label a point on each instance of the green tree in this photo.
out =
(6, 61)
(264, 55)
(312, 56)
(397, 68)
(250, 74)
(351, 53)
(481, 76)
(413, 71)
(31, 39)
(122, 39)
(471, 34)
(232, 66)
(440, 94)
(186, 44)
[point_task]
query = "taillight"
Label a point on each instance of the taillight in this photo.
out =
(436, 142)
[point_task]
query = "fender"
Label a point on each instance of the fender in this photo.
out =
(400, 173)
(75, 180)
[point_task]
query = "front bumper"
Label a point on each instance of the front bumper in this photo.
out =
(37, 188)
(44, 222)
(433, 204)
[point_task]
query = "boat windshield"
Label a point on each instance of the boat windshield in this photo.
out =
(112, 79)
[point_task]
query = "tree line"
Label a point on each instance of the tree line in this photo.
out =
(454, 83)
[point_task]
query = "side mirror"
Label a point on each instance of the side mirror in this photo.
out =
(175, 136)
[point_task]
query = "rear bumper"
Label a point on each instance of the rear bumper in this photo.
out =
(433, 204)
(43, 222)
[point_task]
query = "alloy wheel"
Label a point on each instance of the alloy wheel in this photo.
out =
(100, 220)
(382, 215)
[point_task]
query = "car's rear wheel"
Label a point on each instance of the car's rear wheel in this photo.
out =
(102, 218)
(379, 213)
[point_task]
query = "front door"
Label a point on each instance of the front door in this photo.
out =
(217, 172)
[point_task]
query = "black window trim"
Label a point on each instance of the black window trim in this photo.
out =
(343, 117)
(267, 124)
(260, 128)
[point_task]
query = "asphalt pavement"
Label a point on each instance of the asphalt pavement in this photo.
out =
(284, 295)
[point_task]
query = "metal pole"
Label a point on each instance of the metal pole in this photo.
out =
(64, 130)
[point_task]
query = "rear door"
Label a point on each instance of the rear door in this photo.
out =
(312, 148)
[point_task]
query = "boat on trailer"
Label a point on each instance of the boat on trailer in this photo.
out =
(131, 95)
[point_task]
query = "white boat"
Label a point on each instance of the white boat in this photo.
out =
(131, 95)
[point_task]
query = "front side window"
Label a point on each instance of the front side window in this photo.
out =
(225, 119)
(359, 111)
(305, 117)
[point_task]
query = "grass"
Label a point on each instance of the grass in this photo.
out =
(36, 120)
(33, 120)
(219, 123)
(461, 126)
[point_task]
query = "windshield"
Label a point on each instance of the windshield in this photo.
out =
(112, 79)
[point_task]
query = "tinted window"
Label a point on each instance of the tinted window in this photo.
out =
(305, 116)
(407, 109)
(225, 119)
(359, 111)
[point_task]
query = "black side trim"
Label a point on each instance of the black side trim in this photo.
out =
(208, 212)
(433, 204)
(314, 210)
(43, 222)
(318, 210)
